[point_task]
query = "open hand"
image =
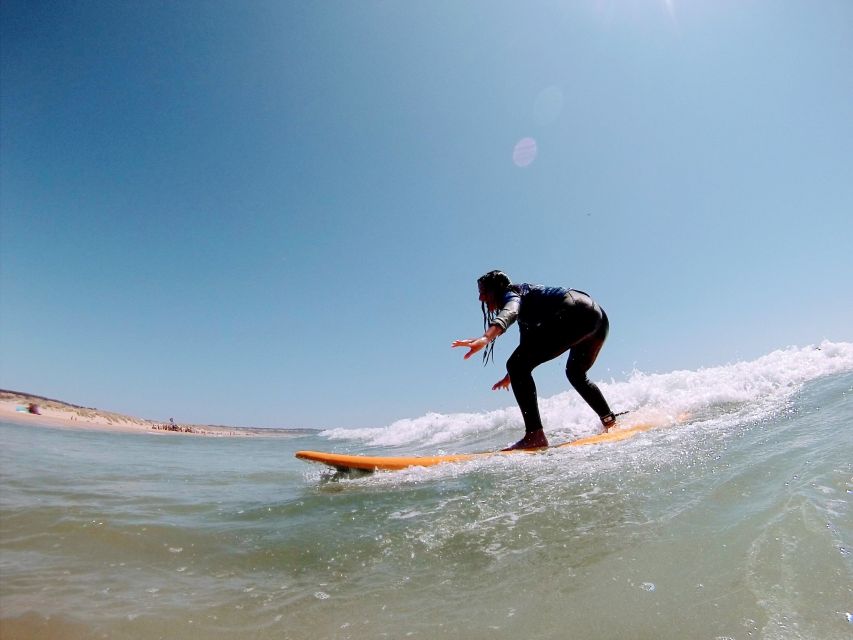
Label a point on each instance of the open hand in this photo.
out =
(474, 344)
(503, 383)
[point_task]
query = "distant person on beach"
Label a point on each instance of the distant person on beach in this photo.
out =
(551, 321)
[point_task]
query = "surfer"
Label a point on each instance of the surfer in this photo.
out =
(551, 321)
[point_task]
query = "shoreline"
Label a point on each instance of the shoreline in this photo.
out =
(54, 413)
(100, 421)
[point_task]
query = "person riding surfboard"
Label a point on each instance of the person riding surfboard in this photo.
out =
(551, 321)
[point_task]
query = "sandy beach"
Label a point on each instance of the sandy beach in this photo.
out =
(14, 407)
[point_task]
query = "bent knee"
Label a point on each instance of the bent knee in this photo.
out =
(576, 377)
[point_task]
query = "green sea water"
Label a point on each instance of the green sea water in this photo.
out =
(735, 525)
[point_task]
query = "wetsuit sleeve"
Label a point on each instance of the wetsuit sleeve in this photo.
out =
(508, 314)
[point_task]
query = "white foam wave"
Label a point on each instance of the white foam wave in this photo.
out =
(433, 428)
(749, 390)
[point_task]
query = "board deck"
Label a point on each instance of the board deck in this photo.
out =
(347, 462)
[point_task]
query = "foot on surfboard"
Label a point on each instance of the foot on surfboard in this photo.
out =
(532, 440)
(609, 421)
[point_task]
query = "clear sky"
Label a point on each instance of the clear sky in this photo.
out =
(274, 213)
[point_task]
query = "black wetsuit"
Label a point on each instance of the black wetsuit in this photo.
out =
(551, 321)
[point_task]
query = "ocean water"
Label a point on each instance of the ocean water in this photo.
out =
(734, 523)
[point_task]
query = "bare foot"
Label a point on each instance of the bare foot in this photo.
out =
(532, 440)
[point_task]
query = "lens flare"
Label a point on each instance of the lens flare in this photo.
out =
(524, 152)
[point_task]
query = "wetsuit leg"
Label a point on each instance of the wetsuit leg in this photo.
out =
(520, 365)
(581, 358)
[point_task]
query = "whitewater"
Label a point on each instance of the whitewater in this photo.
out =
(732, 523)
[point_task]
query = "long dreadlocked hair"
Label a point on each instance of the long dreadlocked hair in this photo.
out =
(493, 284)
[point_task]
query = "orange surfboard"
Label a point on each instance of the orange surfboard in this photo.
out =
(347, 462)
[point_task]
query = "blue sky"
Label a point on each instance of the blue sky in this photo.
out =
(274, 213)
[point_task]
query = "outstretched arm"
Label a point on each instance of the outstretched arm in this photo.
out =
(476, 344)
